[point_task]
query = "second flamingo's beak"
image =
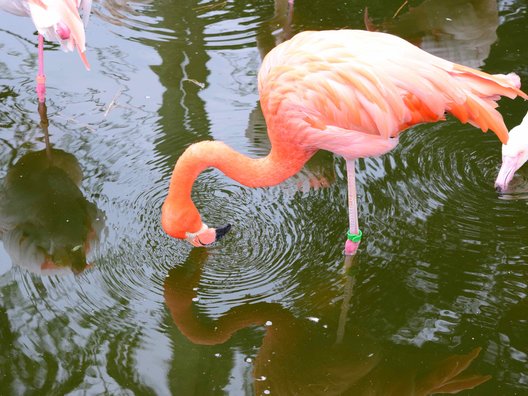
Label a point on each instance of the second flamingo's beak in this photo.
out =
(207, 236)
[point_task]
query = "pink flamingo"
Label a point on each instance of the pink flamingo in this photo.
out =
(514, 155)
(350, 92)
(56, 20)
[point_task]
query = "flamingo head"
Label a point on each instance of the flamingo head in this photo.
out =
(187, 225)
(514, 155)
(206, 236)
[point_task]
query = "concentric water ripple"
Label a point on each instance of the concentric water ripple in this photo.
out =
(442, 264)
(261, 256)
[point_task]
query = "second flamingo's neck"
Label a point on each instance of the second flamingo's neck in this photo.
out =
(179, 212)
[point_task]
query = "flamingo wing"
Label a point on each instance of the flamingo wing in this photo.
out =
(373, 83)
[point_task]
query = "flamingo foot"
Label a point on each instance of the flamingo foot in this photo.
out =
(351, 247)
(352, 242)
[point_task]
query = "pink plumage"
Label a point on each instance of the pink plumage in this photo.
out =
(334, 84)
(56, 20)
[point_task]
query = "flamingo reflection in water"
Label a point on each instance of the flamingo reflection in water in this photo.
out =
(461, 31)
(300, 357)
(46, 224)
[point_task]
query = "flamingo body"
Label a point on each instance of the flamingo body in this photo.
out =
(46, 224)
(350, 92)
(332, 88)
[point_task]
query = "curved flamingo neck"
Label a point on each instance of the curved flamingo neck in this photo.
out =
(179, 214)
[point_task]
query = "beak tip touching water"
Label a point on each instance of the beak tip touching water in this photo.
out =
(500, 189)
(500, 185)
(505, 175)
(222, 231)
(208, 236)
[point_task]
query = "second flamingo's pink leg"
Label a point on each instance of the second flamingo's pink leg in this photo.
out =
(354, 234)
(41, 78)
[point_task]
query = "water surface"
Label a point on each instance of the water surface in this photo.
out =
(439, 280)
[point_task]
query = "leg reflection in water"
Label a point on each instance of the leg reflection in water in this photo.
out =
(299, 356)
(46, 224)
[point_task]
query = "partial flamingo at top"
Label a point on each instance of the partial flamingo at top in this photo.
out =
(56, 20)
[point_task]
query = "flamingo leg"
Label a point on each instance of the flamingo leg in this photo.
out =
(354, 234)
(41, 78)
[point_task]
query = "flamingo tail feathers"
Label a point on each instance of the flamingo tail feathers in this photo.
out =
(482, 92)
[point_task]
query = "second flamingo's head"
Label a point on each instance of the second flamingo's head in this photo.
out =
(514, 155)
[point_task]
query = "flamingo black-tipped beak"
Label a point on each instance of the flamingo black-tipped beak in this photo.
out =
(222, 231)
(207, 236)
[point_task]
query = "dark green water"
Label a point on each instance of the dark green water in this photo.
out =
(436, 299)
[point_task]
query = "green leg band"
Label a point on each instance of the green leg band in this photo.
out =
(354, 237)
